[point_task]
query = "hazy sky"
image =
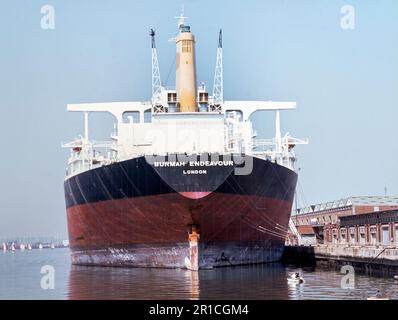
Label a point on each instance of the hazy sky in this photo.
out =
(344, 81)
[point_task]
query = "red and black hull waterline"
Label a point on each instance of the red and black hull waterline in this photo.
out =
(138, 214)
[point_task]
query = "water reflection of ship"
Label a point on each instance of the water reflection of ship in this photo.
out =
(131, 283)
(195, 290)
(253, 282)
(245, 282)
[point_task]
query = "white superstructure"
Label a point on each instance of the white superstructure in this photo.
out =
(158, 127)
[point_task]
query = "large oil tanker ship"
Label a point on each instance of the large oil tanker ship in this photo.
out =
(184, 182)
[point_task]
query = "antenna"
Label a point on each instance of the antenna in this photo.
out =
(181, 18)
(218, 87)
(152, 34)
(156, 82)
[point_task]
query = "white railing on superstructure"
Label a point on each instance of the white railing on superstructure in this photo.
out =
(86, 155)
(278, 150)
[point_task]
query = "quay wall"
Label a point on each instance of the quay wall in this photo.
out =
(375, 260)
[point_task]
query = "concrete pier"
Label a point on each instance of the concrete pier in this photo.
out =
(372, 260)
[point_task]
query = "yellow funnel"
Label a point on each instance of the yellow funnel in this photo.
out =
(186, 71)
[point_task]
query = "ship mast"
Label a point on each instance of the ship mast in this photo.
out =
(218, 90)
(156, 82)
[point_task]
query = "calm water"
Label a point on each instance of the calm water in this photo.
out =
(20, 279)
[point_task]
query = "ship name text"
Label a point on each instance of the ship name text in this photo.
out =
(193, 163)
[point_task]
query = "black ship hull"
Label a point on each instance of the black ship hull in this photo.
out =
(202, 212)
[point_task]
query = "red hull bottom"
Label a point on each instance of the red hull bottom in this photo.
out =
(174, 231)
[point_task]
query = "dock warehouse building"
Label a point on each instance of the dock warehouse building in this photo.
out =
(371, 229)
(331, 220)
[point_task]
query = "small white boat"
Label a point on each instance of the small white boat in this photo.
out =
(13, 247)
(22, 247)
(295, 281)
(40, 246)
(29, 246)
(378, 296)
(295, 278)
(4, 247)
(395, 277)
(52, 246)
